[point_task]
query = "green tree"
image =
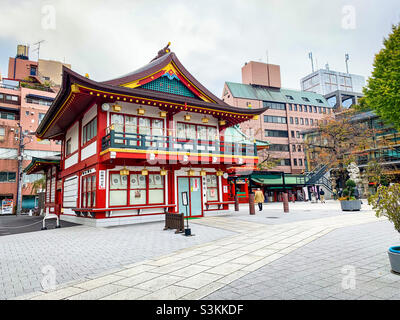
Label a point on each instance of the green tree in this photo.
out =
(386, 202)
(382, 92)
(337, 142)
(38, 185)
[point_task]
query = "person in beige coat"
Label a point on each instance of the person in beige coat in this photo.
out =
(259, 198)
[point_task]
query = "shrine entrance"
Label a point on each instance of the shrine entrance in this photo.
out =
(191, 185)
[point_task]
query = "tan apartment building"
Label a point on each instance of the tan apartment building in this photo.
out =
(24, 100)
(289, 113)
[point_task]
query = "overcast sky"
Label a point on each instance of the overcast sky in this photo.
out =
(213, 39)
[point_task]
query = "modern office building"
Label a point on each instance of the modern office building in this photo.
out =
(289, 112)
(325, 81)
(24, 100)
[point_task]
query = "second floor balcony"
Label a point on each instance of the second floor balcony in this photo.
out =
(166, 140)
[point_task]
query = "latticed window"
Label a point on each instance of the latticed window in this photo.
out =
(173, 86)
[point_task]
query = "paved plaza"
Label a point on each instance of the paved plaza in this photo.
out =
(314, 252)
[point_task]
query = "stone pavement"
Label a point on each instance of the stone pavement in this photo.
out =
(324, 269)
(202, 269)
(81, 252)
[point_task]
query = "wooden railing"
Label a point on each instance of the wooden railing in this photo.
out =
(125, 140)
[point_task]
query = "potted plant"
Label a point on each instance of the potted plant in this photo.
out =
(348, 201)
(386, 202)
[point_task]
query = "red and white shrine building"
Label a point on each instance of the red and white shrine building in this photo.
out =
(132, 145)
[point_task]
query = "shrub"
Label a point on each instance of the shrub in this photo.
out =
(386, 202)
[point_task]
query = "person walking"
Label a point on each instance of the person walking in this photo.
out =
(259, 198)
(322, 196)
(334, 194)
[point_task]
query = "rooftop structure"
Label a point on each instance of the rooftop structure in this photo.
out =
(325, 81)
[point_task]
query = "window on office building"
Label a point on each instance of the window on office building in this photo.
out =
(276, 133)
(297, 134)
(295, 107)
(300, 162)
(296, 120)
(279, 147)
(293, 147)
(274, 119)
(291, 120)
(301, 108)
(292, 133)
(274, 105)
(315, 110)
(310, 109)
(301, 121)
(306, 120)
(295, 162)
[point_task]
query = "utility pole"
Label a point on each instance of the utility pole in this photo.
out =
(19, 175)
(347, 58)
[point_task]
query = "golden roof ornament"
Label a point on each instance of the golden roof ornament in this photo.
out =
(162, 52)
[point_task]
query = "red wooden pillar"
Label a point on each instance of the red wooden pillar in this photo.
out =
(101, 169)
(246, 191)
(171, 189)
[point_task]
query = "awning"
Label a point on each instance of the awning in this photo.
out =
(277, 179)
(39, 164)
(35, 96)
(9, 109)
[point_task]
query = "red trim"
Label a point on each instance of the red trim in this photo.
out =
(213, 174)
(71, 154)
(151, 78)
(84, 179)
(84, 164)
(95, 136)
(128, 188)
(189, 86)
(137, 122)
(125, 208)
(89, 142)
